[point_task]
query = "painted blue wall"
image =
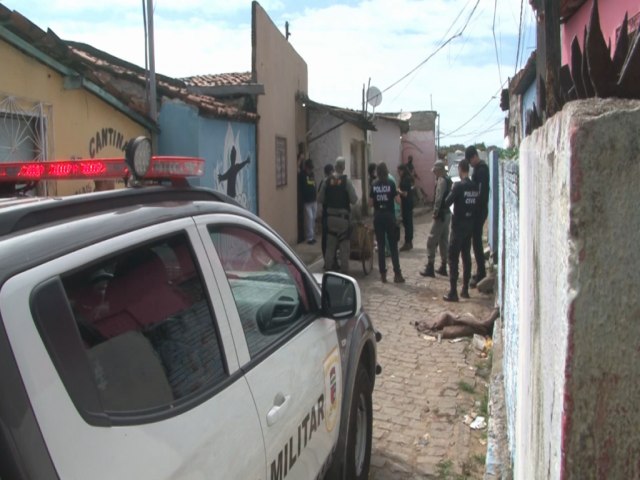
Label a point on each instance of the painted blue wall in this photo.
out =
(185, 132)
(528, 100)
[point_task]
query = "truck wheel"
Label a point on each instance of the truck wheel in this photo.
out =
(360, 429)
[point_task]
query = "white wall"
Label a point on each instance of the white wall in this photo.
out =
(577, 329)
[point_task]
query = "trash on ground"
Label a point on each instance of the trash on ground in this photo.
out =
(479, 342)
(423, 441)
(478, 424)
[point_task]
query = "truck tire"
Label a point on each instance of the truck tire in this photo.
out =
(358, 452)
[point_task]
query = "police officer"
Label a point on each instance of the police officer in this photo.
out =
(481, 179)
(337, 195)
(439, 235)
(464, 197)
(382, 198)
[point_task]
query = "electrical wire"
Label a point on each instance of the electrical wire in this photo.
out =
(449, 40)
(495, 43)
(519, 37)
(476, 133)
(493, 97)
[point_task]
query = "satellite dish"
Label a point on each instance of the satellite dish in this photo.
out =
(374, 96)
(404, 116)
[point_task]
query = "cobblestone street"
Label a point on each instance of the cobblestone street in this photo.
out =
(427, 386)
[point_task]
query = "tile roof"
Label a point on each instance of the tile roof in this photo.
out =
(117, 69)
(217, 80)
(125, 81)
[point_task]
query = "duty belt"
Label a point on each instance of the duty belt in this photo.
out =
(338, 213)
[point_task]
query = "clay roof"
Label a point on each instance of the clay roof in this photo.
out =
(124, 80)
(216, 80)
(354, 117)
(116, 69)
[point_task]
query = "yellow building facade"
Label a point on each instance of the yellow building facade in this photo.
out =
(50, 112)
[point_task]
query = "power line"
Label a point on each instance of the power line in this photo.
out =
(449, 40)
(493, 97)
(444, 36)
(495, 43)
(477, 132)
(519, 36)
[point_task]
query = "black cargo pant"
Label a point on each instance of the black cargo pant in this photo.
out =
(478, 249)
(384, 225)
(460, 245)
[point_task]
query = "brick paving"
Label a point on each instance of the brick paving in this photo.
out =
(426, 386)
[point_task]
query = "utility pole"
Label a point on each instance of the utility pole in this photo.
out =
(153, 105)
(548, 57)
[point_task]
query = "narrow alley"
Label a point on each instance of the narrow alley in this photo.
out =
(427, 388)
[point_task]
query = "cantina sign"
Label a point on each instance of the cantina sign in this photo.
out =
(107, 137)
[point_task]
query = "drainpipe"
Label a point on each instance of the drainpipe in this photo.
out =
(364, 176)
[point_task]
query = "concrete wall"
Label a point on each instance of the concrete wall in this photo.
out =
(611, 17)
(576, 334)
(185, 132)
(508, 288)
(336, 143)
(80, 124)
(283, 73)
(385, 144)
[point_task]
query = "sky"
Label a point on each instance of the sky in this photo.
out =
(451, 56)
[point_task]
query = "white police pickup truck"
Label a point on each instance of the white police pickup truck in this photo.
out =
(163, 332)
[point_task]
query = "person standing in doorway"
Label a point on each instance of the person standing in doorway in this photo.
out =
(439, 234)
(406, 205)
(307, 184)
(464, 198)
(481, 179)
(337, 194)
(382, 198)
(328, 173)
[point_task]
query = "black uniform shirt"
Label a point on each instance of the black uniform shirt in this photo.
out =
(383, 194)
(481, 179)
(464, 197)
(406, 185)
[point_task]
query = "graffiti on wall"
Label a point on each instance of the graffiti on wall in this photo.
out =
(234, 168)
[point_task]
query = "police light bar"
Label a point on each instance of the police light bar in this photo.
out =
(175, 167)
(63, 170)
(105, 168)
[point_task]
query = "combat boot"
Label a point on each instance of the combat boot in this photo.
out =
(406, 247)
(452, 296)
(428, 271)
(464, 293)
(443, 270)
(398, 278)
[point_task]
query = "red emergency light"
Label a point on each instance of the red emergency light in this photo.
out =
(99, 169)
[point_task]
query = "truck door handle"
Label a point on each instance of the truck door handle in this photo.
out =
(280, 405)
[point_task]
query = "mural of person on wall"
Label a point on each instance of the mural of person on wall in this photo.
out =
(231, 174)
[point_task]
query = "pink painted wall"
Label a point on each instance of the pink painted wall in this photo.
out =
(611, 17)
(421, 145)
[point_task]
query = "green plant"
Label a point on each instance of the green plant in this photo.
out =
(466, 387)
(444, 469)
(484, 404)
(480, 459)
